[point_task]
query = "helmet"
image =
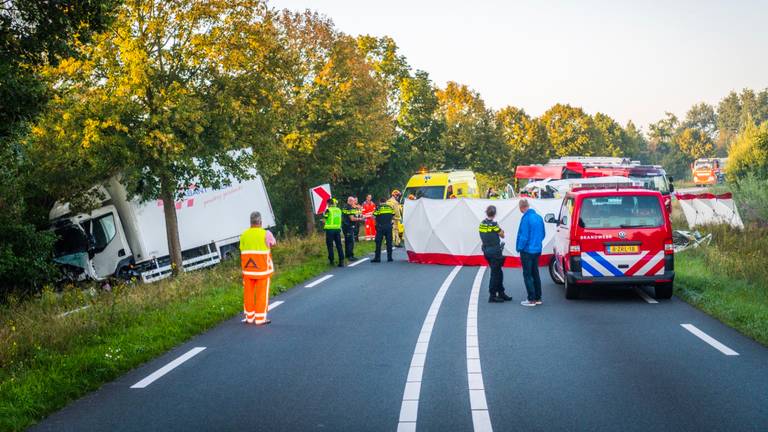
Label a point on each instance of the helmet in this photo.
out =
(395, 192)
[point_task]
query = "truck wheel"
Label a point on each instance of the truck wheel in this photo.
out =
(553, 271)
(663, 290)
(571, 290)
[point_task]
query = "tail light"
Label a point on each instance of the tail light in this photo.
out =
(669, 248)
(575, 249)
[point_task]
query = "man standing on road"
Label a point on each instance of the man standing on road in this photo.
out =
(530, 237)
(332, 228)
(384, 216)
(257, 267)
(491, 235)
(394, 203)
(349, 219)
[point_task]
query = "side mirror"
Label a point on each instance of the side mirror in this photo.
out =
(550, 218)
(564, 221)
(671, 179)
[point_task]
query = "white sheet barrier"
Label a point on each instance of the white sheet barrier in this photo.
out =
(446, 231)
(710, 209)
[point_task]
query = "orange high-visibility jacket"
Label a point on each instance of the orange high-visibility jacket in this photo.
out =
(255, 256)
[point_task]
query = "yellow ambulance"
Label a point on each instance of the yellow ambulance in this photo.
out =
(442, 185)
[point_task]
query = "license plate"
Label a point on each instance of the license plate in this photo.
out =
(623, 249)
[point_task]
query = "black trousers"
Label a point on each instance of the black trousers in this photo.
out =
(381, 234)
(496, 286)
(349, 240)
(333, 237)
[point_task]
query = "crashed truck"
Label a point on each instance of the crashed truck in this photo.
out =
(126, 238)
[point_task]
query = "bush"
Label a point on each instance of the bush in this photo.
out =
(751, 196)
(748, 155)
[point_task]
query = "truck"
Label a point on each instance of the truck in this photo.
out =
(708, 171)
(126, 238)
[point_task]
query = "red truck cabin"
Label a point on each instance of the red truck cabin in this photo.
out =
(613, 237)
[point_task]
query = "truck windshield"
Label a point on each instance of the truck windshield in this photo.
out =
(70, 240)
(657, 182)
(433, 192)
(702, 166)
(624, 211)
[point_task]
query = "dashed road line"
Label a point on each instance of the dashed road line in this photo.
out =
(274, 305)
(481, 420)
(318, 281)
(710, 340)
(154, 376)
(645, 296)
(409, 409)
(358, 262)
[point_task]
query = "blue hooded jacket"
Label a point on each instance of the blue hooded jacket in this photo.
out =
(530, 235)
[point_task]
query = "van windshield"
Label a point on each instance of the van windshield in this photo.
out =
(433, 192)
(614, 212)
(657, 182)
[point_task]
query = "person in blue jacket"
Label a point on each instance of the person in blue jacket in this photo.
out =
(530, 236)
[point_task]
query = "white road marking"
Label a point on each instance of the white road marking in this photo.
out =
(358, 262)
(74, 311)
(275, 304)
(481, 420)
(409, 409)
(710, 340)
(645, 296)
(319, 281)
(154, 376)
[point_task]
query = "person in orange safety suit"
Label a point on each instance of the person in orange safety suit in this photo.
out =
(256, 262)
(370, 222)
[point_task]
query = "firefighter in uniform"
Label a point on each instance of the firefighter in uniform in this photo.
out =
(384, 216)
(257, 267)
(332, 228)
(349, 220)
(491, 235)
(394, 204)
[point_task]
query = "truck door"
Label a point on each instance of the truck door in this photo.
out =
(109, 245)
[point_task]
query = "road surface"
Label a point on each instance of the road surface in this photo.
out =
(399, 346)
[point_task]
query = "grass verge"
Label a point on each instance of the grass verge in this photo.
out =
(46, 361)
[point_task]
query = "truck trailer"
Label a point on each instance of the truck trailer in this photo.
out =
(126, 238)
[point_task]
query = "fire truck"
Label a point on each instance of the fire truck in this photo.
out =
(708, 171)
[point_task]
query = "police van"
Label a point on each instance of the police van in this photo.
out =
(612, 237)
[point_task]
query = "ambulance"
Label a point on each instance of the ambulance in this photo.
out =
(612, 237)
(442, 185)
(708, 171)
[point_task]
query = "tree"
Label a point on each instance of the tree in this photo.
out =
(525, 138)
(662, 133)
(694, 143)
(571, 131)
(612, 136)
(166, 99)
(748, 156)
(702, 117)
(337, 126)
(635, 143)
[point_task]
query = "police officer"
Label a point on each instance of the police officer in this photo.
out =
(332, 228)
(349, 220)
(491, 235)
(384, 215)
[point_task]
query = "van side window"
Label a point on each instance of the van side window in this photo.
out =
(104, 231)
(566, 211)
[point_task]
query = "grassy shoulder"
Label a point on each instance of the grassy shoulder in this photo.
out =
(47, 360)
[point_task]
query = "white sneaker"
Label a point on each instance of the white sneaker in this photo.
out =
(528, 303)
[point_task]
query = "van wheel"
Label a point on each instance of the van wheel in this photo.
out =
(664, 290)
(572, 291)
(553, 271)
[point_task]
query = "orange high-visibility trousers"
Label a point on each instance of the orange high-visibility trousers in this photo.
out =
(255, 299)
(370, 228)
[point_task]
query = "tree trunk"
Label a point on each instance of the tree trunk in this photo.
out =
(168, 195)
(309, 211)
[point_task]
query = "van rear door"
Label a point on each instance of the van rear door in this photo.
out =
(621, 234)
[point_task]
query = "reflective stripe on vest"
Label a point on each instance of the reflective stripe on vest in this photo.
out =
(255, 256)
(333, 218)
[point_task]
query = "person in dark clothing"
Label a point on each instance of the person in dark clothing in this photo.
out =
(332, 228)
(384, 215)
(349, 219)
(491, 235)
(530, 237)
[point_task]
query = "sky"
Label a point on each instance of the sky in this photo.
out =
(632, 60)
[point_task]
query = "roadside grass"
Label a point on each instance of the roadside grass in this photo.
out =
(729, 278)
(46, 361)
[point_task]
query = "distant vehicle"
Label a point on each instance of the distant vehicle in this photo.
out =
(708, 171)
(442, 185)
(126, 238)
(612, 237)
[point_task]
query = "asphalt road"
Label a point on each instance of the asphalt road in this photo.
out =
(382, 347)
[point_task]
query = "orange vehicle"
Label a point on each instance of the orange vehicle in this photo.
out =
(708, 171)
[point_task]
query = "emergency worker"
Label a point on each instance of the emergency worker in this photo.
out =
(491, 235)
(384, 217)
(370, 221)
(257, 267)
(332, 228)
(394, 203)
(349, 219)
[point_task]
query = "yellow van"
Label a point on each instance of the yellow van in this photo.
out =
(442, 185)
